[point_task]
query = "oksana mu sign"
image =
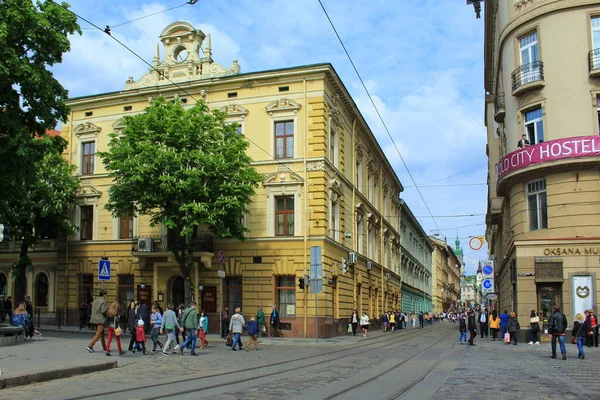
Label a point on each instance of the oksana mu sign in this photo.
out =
(575, 147)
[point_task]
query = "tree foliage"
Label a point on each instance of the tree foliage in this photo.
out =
(185, 169)
(33, 37)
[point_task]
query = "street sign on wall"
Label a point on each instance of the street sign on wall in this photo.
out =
(487, 286)
(488, 268)
(104, 270)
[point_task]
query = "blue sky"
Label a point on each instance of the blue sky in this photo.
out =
(422, 62)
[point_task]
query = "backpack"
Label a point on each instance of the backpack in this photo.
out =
(553, 324)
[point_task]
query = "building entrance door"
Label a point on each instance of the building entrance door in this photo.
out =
(178, 291)
(549, 295)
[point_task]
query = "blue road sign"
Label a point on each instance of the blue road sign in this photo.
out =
(488, 269)
(104, 270)
(221, 257)
(487, 284)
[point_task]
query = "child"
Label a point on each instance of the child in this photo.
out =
(140, 337)
(155, 323)
(203, 328)
(252, 328)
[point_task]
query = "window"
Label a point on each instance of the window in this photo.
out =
(41, 290)
(127, 108)
(284, 88)
(125, 293)
(537, 206)
(232, 95)
(89, 113)
(359, 181)
(233, 292)
(530, 55)
(534, 126)
(335, 220)
(333, 147)
(284, 216)
(86, 224)
(334, 298)
(595, 28)
(87, 157)
(598, 109)
(86, 289)
(284, 139)
(359, 231)
(126, 225)
(285, 293)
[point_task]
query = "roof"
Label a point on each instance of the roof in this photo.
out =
(52, 132)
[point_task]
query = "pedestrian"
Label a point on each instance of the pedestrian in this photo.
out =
(145, 315)
(512, 327)
(158, 307)
(385, 322)
(225, 322)
(483, 323)
(156, 323)
(252, 329)
(140, 337)
(354, 321)
(364, 324)
(189, 322)
(83, 315)
(132, 322)
(534, 328)
(557, 326)
(180, 310)
(203, 329)
(98, 318)
(112, 322)
(503, 321)
(274, 322)
(593, 336)
(169, 325)
(494, 324)
(20, 317)
(581, 327)
(472, 327)
(29, 308)
(392, 317)
(7, 308)
(462, 329)
(421, 320)
(236, 326)
(260, 320)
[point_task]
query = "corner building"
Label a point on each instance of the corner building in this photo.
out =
(542, 70)
(326, 183)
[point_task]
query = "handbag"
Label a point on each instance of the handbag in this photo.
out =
(575, 335)
(118, 329)
(229, 341)
(507, 337)
(349, 328)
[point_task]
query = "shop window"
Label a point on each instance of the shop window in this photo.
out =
(125, 293)
(537, 206)
(285, 293)
(41, 290)
(233, 292)
(86, 289)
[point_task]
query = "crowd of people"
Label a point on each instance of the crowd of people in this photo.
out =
(188, 323)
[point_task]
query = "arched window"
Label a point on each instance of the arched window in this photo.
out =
(3, 284)
(41, 290)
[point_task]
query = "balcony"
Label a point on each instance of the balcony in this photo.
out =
(594, 63)
(161, 244)
(527, 77)
(499, 108)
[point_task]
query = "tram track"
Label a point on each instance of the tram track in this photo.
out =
(373, 344)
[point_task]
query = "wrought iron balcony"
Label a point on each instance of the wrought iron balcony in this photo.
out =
(162, 244)
(499, 108)
(527, 76)
(594, 62)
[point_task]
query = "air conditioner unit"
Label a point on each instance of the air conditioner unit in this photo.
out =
(369, 265)
(145, 244)
(387, 276)
(351, 258)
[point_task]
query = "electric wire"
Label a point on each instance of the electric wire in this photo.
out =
(378, 113)
(149, 15)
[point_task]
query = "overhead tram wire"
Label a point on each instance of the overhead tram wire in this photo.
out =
(190, 2)
(166, 77)
(379, 114)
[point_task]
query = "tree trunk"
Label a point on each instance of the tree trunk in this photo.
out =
(20, 274)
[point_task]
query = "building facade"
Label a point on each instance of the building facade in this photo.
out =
(416, 264)
(542, 112)
(326, 183)
(445, 275)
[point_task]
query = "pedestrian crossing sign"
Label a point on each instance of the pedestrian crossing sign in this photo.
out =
(104, 270)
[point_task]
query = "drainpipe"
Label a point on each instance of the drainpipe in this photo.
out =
(306, 208)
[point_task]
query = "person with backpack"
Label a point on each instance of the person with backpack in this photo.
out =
(557, 326)
(170, 326)
(189, 322)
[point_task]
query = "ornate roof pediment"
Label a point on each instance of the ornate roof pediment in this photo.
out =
(283, 104)
(88, 194)
(118, 125)
(283, 178)
(234, 110)
(87, 128)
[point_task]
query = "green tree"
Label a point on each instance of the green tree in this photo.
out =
(33, 37)
(185, 169)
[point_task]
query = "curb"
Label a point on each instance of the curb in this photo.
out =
(45, 376)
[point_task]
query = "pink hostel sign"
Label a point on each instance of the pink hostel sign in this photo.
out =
(574, 147)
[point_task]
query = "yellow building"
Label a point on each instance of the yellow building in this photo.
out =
(326, 183)
(446, 275)
(542, 87)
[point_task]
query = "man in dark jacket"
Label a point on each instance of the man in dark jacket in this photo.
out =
(557, 325)
(472, 326)
(144, 314)
(274, 322)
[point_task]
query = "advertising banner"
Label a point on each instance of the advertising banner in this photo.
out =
(583, 293)
(574, 147)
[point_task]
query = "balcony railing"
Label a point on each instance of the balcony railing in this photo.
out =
(526, 74)
(594, 62)
(499, 107)
(162, 244)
